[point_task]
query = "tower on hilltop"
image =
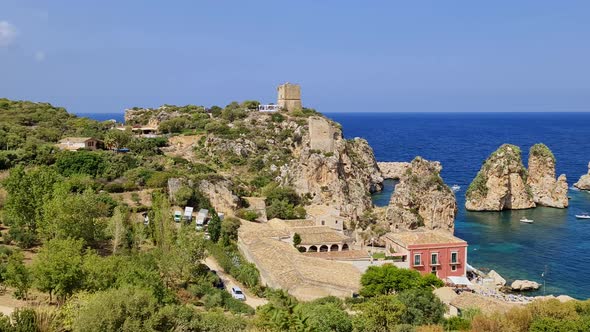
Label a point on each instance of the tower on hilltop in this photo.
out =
(289, 96)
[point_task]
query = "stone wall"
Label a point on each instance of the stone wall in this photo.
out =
(321, 134)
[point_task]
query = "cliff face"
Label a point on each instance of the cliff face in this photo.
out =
(393, 170)
(584, 182)
(501, 183)
(421, 198)
(546, 190)
(333, 171)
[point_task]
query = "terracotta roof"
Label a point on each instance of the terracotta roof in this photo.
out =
(319, 235)
(340, 255)
(282, 266)
(423, 237)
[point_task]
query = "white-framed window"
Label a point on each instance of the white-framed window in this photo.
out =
(454, 257)
(417, 259)
(434, 258)
(453, 268)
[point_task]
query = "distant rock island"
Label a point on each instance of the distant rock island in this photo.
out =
(584, 181)
(503, 183)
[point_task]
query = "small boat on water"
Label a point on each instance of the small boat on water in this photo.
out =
(455, 187)
(528, 221)
(583, 216)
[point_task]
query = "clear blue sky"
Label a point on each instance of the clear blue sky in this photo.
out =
(104, 56)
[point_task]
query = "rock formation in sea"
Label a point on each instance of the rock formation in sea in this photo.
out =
(393, 169)
(501, 183)
(332, 170)
(584, 181)
(541, 178)
(524, 285)
(422, 199)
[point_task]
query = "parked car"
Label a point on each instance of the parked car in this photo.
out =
(237, 294)
(177, 216)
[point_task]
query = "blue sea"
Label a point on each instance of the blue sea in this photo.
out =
(557, 241)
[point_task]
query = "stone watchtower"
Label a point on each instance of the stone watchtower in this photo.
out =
(289, 96)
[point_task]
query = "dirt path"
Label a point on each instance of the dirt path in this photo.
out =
(251, 299)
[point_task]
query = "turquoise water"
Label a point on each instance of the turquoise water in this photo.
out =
(497, 240)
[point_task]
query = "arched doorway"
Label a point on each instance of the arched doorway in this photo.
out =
(334, 247)
(302, 249)
(345, 247)
(312, 249)
(324, 248)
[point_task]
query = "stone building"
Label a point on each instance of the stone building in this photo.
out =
(436, 252)
(289, 96)
(77, 143)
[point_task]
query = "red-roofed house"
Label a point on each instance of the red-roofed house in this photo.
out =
(435, 252)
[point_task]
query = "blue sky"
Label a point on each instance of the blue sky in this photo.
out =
(104, 56)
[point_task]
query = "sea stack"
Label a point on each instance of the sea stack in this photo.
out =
(501, 183)
(546, 190)
(584, 182)
(422, 199)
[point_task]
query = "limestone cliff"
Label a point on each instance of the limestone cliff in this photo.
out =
(422, 199)
(501, 183)
(392, 169)
(546, 190)
(584, 182)
(333, 171)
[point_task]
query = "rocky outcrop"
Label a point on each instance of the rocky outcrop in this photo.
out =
(497, 278)
(342, 174)
(541, 178)
(524, 285)
(220, 194)
(393, 170)
(501, 183)
(584, 182)
(422, 199)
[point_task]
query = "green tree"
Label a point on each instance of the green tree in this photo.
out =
(229, 230)
(182, 262)
(387, 279)
(323, 317)
(80, 162)
(119, 229)
(124, 309)
(161, 222)
(214, 226)
(24, 205)
(422, 307)
(379, 314)
(74, 215)
(17, 275)
(116, 139)
(58, 267)
(296, 239)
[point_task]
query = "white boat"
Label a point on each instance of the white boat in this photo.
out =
(583, 216)
(528, 221)
(455, 187)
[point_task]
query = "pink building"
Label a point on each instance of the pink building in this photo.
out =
(435, 252)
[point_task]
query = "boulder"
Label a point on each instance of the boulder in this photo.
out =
(501, 183)
(584, 182)
(498, 280)
(541, 178)
(524, 285)
(422, 199)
